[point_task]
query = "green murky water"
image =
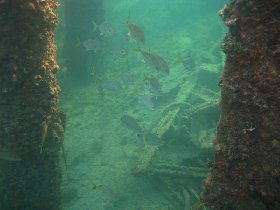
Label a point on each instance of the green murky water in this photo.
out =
(139, 128)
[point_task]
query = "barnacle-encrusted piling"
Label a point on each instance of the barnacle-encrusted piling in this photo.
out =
(31, 127)
(81, 20)
(246, 171)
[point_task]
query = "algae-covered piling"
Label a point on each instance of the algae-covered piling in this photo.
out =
(31, 127)
(246, 170)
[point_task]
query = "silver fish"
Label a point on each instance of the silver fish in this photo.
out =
(8, 156)
(153, 86)
(146, 101)
(108, 85)
(132, 124)
(105, 28)
(92, 45)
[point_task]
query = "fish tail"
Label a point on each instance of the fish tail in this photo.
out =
(128, 17)
(44, 135)
(143, 135)
(95, 26)
(138, 48)
(145, 76)
(178, 60)
(64, 157)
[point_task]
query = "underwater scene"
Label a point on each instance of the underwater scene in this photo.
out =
(139, 105)
(139, 86)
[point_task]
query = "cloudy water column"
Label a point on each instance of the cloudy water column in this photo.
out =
(82, 19)
(31, 127)
(246, 170)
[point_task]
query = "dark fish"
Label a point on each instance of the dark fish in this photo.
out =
(135, 33)
(161, 64)
(8, 156)
(146, 101)
(154, 61)
(132, 124)
(153, 85)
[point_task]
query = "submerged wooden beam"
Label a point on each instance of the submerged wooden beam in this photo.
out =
(246, 171)
(31, 127)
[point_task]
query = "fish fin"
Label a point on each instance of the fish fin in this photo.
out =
(128, 17)
(178, 60)
(95, 26)
(43, 135)
(146, 77)
(64, 156)
(144, 139)
(138, 48)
